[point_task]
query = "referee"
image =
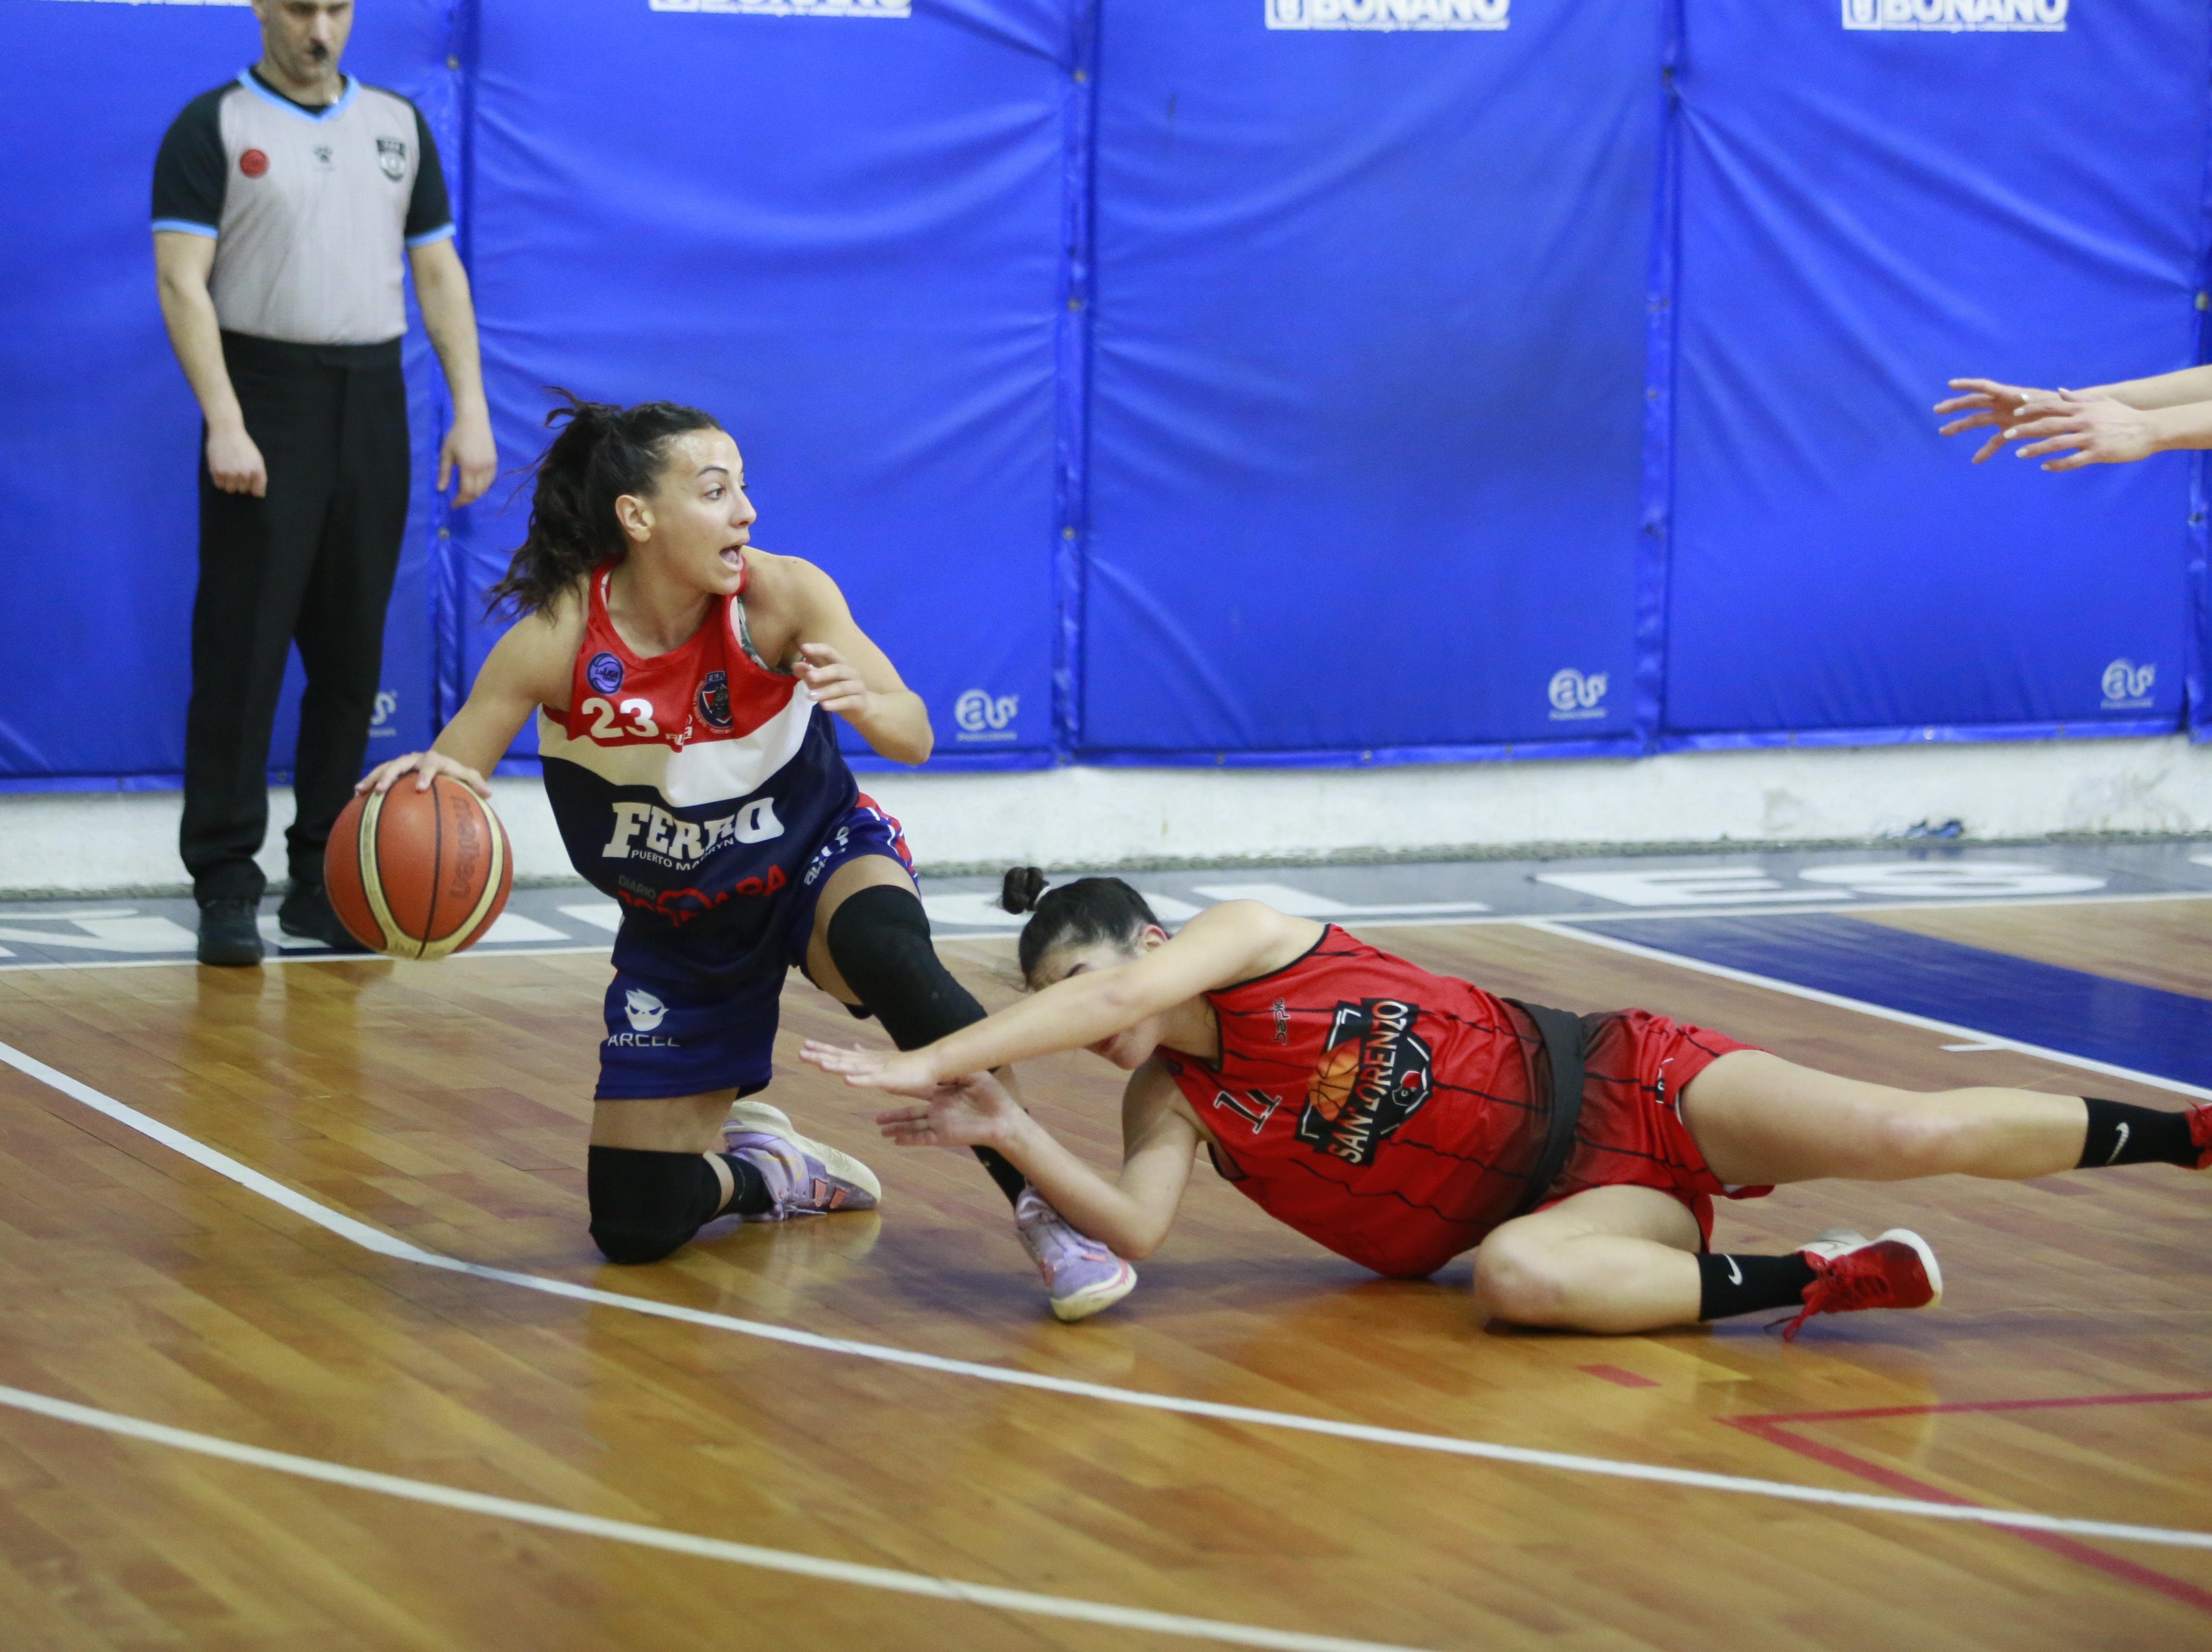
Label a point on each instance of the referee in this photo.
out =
(283, 203)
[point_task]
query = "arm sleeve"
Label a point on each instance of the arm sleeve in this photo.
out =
(429, 215)
(188, 171)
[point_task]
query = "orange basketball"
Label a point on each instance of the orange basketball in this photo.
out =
(418, 874)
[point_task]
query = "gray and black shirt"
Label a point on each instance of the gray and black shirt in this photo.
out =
(310, 208)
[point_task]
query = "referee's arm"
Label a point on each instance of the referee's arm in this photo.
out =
(441, 289)
(182, 261)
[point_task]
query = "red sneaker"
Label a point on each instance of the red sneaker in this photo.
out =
(1898, 1270)
(2200, 1132)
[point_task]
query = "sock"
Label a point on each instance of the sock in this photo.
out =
(1744, 1284)
(879, 941)
(2121, 1134)
(749, 1189)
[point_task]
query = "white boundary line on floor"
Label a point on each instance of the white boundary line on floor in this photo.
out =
(1355, 919)
(707, 1548)
(384, 1244)
(1950, 1029)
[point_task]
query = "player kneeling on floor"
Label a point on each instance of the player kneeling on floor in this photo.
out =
(683, 682)
(1402, 1118)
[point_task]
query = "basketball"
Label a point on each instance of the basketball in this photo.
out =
(418, 874)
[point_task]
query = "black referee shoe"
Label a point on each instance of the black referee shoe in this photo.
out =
(305, 913)
(229, 933)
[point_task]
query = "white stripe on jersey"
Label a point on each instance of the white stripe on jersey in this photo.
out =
(719, 769)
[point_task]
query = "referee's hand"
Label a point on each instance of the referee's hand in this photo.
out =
(235, 462)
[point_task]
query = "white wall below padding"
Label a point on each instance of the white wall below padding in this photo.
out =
(75, 842)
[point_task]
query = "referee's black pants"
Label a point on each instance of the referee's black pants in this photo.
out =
(311, 562)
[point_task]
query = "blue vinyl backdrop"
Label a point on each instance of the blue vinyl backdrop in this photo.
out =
(1227, 380)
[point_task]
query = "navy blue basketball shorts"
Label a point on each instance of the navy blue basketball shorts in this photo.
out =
(669, 1035)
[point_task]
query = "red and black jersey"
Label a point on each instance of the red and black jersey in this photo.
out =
(1385, 1111)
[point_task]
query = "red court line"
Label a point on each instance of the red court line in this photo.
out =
(1768, 1427)
(1615, 1374)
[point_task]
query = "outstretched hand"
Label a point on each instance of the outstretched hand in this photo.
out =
(1987, 402)
(908, 1072)
(2087, 429)
(972, 1112)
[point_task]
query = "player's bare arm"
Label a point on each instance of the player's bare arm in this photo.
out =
(2103, 424)
(1087, 1007)
(1132, 1214)
(527, 668)
(842, 666)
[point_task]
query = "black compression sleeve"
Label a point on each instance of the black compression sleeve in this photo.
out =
(189, 172)
(429, 207)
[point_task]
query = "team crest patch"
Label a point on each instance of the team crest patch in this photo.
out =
(714, 699)
(253, 163)
(604, 673)
(1372, 1077)
(392, 155)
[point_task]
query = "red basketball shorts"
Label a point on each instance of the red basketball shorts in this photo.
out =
(1635, 1067)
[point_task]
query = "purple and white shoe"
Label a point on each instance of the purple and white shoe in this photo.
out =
(804, 1177)
(1083, 1275)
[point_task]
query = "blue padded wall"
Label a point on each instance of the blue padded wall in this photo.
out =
(1368, 363)
(1166, 386)
(839, 235)
(1895, 209)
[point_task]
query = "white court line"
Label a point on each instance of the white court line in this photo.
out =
(709, 1548)
(1979, 1039)
(384, 1244)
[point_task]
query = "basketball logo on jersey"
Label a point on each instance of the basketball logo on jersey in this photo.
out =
(1372, 1077)
(714, 699)
(604, 673)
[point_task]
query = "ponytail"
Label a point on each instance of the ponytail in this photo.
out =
(1080, 913)
(599, 453)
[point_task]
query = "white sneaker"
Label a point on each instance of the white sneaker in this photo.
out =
(804, 1177)
(1083, 1275)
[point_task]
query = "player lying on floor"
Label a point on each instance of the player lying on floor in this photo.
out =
(1400, 1118)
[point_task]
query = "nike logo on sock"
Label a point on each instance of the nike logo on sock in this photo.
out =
(1736, 1273)
(2120, 1141)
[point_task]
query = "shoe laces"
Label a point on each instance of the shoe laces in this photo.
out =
(1842, 1285)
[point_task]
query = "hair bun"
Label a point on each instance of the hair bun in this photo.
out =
(1020, 891)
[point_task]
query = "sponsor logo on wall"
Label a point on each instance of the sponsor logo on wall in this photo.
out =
(2127, 685)
(380, 725)
(794, 8)
(1574, 697)
(1957, 16)
(1388, 13)
(985, 718)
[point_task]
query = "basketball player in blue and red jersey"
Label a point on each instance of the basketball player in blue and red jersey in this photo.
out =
(1400, 1118)
(682, 680)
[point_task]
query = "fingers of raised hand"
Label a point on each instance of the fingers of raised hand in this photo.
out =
(1989, 447)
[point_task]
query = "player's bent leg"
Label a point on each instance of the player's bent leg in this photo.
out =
(870, 945)
(654, 1177)
(1612, 1260)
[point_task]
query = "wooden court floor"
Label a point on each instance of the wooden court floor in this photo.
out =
(2068, 1373)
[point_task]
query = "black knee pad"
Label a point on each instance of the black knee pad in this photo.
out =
(879, 941)
(645, 1205)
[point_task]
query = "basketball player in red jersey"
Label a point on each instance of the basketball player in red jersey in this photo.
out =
(1400, 1118)
(683, 681)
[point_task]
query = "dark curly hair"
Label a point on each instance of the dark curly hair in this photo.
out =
(601, 452)
(1088, 910)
